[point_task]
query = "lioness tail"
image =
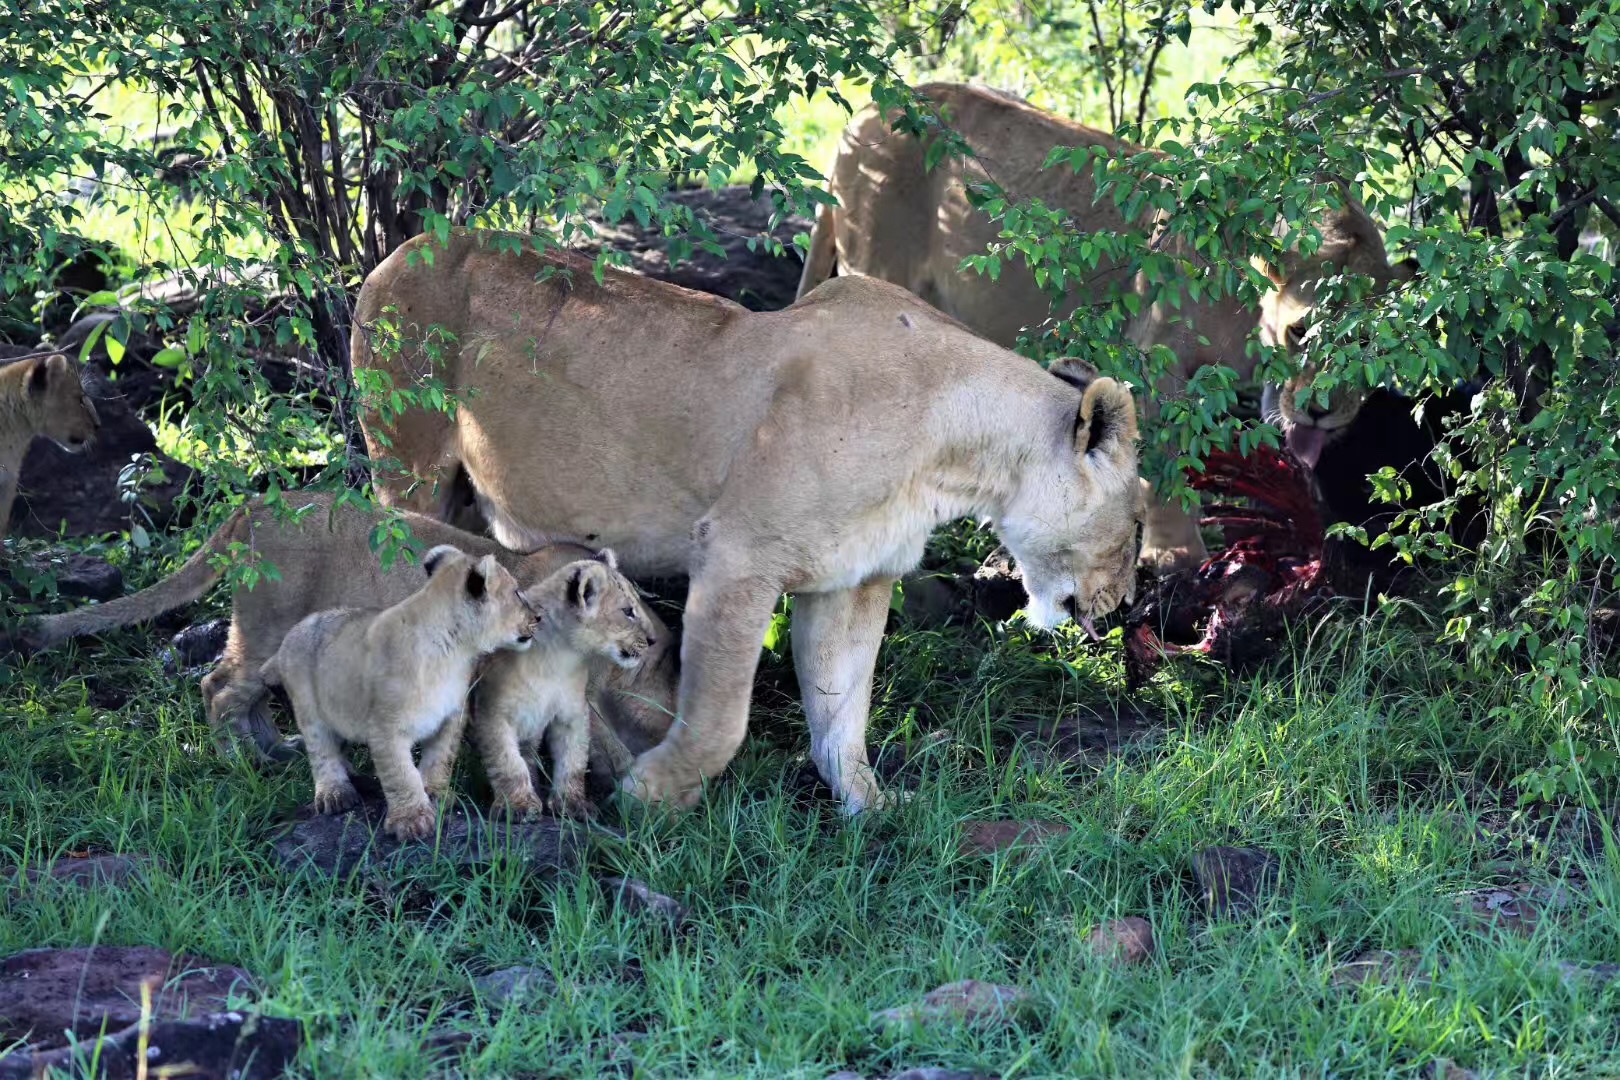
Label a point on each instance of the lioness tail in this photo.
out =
(185, 586)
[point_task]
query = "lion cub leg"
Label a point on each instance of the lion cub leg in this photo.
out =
(495, 735)
(410, 814)
(334, 792)
(569, 737)
(835, 645)
(439, 755)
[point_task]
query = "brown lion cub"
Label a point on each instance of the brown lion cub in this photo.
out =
(398, 677)
(587, 612)
(40, 397)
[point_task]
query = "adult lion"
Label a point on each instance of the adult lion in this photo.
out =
(899, 221)
(810, 450)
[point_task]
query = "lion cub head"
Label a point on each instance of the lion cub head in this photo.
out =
(1075, 522)
(1351, 244)
(51, 401)
(481, 599)
(594, 609)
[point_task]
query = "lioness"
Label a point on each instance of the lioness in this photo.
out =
(394, 678)
(810, 450)
(324, 560)
(40, 397)
(899, 221)
(584, 611)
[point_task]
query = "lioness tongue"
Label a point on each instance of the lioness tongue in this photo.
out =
(1305, 443)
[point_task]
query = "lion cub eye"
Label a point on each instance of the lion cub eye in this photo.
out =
(630, 613)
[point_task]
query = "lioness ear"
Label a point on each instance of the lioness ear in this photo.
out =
(1406, 269)
(1106, 421)
(585, 586)
(1273, 271)
(606, 557)
(1077, 373)
(435, 558)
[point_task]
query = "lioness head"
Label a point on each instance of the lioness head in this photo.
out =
(54, 401)
(1351, 244)
(596, 609)
(482, 597)
(1075, 522)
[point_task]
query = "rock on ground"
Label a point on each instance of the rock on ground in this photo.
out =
(1124, 941)
(754, 278)
(89, 871)
(515, 985)
(972, 1002)
(987, 838)
(339, 844)
(638, 898)
(44, 992)
(1234, 880)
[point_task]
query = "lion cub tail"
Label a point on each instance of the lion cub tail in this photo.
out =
(823, 257)
(185, 586)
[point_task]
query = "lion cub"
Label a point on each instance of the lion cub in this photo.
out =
(398, 677)
(587, 612)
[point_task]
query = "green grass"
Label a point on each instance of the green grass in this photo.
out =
(1362, 761)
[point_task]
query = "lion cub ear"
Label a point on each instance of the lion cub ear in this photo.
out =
(585, 587)
(436, 557)
(607, 558)
(39, 380)
(1077, 373)
(1106, 421)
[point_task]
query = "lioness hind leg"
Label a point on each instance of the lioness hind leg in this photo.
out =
(235, 700)
(725, 622)
(835, 645)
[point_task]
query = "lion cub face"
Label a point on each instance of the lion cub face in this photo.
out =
(56, 403)
(595, 610)
(1076, 528)
(482, 599)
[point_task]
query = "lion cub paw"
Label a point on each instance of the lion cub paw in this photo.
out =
(571, 806)
(519, 805)
(336, 799)
(410, 822)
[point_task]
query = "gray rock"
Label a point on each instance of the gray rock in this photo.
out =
(637, 897)
(217, 1046)
(339, 844)
(90, 871)
(512, 985)
(1233, 880)
(46, 992)
(196, 645)
(970, 1002)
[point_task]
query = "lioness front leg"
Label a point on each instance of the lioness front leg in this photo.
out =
(835, 645)
(496, 739)
(569, 737)
(1170, 538)
(724, 630)
(439, 755)
(410, 814)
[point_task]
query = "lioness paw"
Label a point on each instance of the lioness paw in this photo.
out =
(410, 822)
(649, 785)
(336, 799)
